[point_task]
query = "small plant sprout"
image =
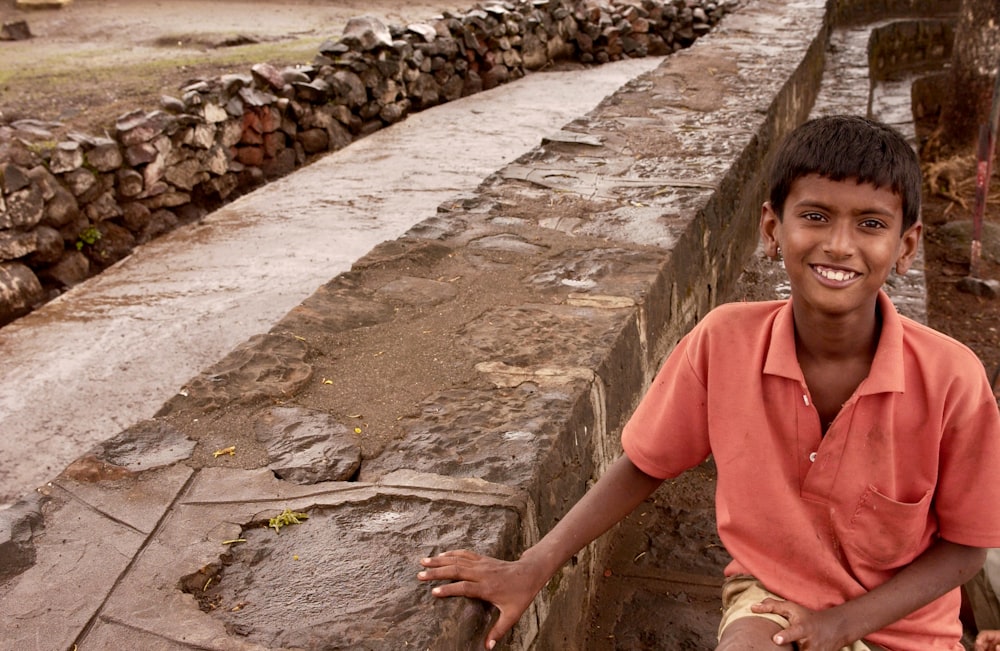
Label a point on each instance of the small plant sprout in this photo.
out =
(286, 517)
(89, 236)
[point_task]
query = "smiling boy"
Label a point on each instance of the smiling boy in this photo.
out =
(856, 449)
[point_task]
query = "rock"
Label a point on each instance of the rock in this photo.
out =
(18, 526)
(17, 244)
(139, 127)
(307, 446)
(115, 243)
(61, 209)
(49, 247)
(130, 183)
(172, 104)
(79, 181)
(19, 291)
(312, 92)
(268, 75)
(956, 238)
(423, 30)
(160, 221)
(105, 155)
(104, 207)
(368, 31)
(135, 216)
(979, 287)
(23, 209)
(147, 445)
(314, 140)
(265, 366)
(14, 178)
(17, 30)
(66, 157)
(349, 89)
(72, 269)
(417, 291)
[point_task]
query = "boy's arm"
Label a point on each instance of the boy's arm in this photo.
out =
(944, 566)
(511, 586)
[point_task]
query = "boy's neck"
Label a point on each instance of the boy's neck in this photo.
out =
(836, 337)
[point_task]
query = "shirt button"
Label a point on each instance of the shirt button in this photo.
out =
(812, 456)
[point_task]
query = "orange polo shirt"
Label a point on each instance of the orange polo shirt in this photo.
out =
(914, 454)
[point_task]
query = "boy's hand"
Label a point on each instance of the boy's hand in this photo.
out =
(510, 586)
(812, 630)
(988, 641)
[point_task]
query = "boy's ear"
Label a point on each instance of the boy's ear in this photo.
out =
(769, 223)
(908, 247)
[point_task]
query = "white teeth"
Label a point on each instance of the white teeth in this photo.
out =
(835, 275)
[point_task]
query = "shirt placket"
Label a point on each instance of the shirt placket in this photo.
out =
(823, 459)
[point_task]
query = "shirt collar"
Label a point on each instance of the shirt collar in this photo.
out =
(886, 374)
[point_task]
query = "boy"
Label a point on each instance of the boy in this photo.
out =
(856, 449)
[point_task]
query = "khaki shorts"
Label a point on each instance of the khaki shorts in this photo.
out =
(983, 598)
(742, 591)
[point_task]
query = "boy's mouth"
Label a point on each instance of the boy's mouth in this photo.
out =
(835, 275)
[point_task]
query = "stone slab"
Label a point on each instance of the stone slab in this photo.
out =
(138, 501)
(80, 555)
(312, 584)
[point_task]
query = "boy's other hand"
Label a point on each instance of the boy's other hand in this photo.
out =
(812, 630)
(508, 585)
(988, 641)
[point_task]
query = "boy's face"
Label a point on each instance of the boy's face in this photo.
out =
(839, 240)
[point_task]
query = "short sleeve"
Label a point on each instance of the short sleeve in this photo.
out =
(668, 433)
(967, 499)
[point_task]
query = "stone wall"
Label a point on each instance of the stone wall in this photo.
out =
(70, 208)
(851, 12)
(907, 46)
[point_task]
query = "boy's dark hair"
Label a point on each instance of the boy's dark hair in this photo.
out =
(848, 147)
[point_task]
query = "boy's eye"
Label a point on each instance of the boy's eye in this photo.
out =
(873, 223)
(813, 216)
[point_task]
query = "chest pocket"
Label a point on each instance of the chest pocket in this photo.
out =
(886, 533)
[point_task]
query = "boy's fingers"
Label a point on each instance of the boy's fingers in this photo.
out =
(457, 589)
(769, 605)
(459, 553)
(446, 573)
(449, 558)
(503, 624)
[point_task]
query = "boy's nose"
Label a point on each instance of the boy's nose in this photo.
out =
(840, 240)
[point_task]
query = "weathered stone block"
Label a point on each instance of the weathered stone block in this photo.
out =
(105, 156)
(72, 268)
(23, 208)
(14, 178)
(66, 157)
(19, 291)
(17, 244)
